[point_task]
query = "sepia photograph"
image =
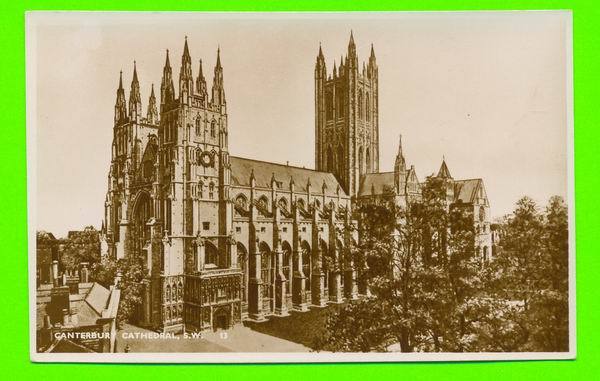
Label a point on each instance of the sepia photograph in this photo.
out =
(300, 187)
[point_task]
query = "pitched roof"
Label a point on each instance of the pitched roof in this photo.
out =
(444, 171)
(466, 190)
(241, 168)
(376, 182)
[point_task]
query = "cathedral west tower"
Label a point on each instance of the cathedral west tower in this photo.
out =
(347, 118)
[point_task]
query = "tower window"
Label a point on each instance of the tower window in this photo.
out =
(198, 126)
(211, 189)
(206, 225)
(360, 104)
(367, 108)
(212, 129)
(328, 105)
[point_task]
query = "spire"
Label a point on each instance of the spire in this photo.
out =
(186, 51)
(444, 172)
(400, 169)
(120, 104)
(120, 80)
(352, 59)
(201, 83)
(152, 114)
(218, 90)
(320, 71)
(135, 99)
(372, 66)
(167, 90)
(186, 79)
(218, 56)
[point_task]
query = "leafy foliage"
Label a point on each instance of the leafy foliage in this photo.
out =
(80, 246)
(431, 292)
(130, 274)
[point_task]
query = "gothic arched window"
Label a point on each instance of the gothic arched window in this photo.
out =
(367, 107)
(200, 189)
(213, 127)
(360, 104)
(198, 126)
(300, 204)
(361, 163)
(328, 105)
(329, 159)
(211, 190)
(283, 204)
(340, 160)
(241, 201)
(368, 161)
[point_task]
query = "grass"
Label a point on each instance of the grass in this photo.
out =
(300, 327)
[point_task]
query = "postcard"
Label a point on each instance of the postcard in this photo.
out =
(300, 187)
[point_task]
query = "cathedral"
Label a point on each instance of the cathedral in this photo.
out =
(226, 238)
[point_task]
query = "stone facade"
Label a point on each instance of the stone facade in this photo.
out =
(227, 238)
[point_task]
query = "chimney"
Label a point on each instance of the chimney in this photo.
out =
(55, 273)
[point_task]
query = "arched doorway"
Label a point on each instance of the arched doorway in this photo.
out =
(142, 212)
(221, 318)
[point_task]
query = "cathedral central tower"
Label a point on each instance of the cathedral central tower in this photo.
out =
(347, 118)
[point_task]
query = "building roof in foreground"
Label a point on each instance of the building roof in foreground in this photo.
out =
(264, 172)
(89, 302)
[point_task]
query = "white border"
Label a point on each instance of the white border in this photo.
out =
(269, 357)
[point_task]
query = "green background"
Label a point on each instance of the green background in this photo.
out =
(14, 336)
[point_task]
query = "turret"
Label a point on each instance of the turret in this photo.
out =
(352, 59)
(372, 65)
(186, 79)
(120, 104)
(167, 90)
(400, 169)
(135, 99)
(218, 90)
(201, 84)
(320, 70)
(152, 114)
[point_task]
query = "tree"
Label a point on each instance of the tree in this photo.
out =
(548, 311)
(130, 274)
(420, 267)
(529, 278)
(80, 246)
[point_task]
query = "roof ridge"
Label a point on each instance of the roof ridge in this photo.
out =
(471, 179)
(282, 165)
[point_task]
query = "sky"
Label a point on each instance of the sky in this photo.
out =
(487, 91)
